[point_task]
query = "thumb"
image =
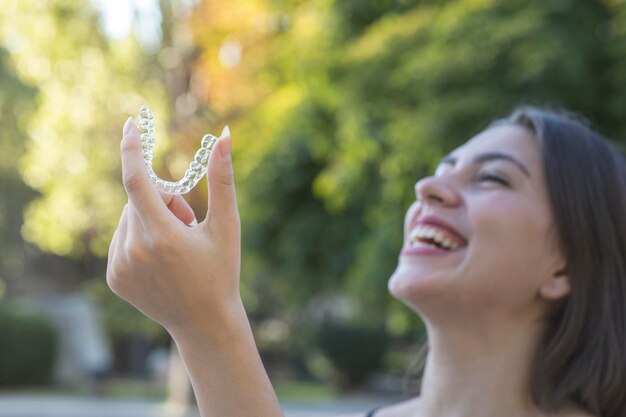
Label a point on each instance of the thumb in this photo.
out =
(221, 180)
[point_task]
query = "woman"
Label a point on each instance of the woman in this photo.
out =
(514, 256)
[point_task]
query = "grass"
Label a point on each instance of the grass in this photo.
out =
(113, 388)
(135, 388)
(299, 391)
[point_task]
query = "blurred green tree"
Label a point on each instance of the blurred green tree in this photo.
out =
(336, 108)
(66, 90)
(352, 101)
(87, 85)
(16, 105)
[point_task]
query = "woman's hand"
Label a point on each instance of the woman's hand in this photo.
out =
(184, 277)
(187, 279)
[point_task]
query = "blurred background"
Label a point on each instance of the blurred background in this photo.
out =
(336, 108)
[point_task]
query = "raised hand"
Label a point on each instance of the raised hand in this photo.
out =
(184, 277)
(187, 278)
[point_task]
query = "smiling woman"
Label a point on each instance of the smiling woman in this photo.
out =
(531, 309)
(514, 256)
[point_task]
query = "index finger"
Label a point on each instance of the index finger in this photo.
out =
(144, 197)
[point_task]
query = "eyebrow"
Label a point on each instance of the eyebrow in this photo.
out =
(488, 156)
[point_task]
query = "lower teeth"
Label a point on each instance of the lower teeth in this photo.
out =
(429, 245)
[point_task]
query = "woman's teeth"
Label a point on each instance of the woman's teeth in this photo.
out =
(426, 235)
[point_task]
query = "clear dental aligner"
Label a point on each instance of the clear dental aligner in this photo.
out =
(197, 168)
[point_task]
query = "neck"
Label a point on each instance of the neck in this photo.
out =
(479, 370)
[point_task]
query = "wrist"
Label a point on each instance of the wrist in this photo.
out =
(225, 368)
(218, 327)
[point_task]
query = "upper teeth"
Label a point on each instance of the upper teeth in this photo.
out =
(431, 233)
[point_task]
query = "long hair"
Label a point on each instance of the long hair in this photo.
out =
(582, 355)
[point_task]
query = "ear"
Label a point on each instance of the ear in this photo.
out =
(557, 287)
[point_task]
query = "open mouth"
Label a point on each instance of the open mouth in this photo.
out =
(426, 235)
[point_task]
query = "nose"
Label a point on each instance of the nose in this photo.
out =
(436, 190)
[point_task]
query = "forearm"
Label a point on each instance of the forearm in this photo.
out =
(226, 371)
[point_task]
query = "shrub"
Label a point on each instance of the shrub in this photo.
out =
(28, 347)
(355, 350)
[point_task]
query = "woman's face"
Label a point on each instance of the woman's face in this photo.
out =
(492, 192)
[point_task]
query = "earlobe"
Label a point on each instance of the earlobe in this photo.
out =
(558, 287)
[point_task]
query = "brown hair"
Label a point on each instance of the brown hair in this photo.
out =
(582, 356)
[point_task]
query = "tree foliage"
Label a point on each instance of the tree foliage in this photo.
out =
(356, 100)
(16, 106)
(336, 108)
(86, 86)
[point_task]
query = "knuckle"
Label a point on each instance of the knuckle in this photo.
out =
(137, 253)
(226, 178)
(162, 242)
(128, 145)
(235, 221)
(132, 182)
(228, 226)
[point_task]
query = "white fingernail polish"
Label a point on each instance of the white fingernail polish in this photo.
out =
(127, 126)
(193, 223)
(225, 131)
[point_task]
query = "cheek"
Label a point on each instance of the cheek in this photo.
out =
(509, 251)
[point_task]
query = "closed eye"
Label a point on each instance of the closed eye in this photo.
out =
(494, 178)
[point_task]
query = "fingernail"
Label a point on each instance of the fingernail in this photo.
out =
(127, 125)
(225, 131)
(193, 223)
(225, 147)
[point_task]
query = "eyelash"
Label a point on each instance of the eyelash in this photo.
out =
(494, 178)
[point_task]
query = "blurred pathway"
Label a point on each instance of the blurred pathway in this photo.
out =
(23, 405)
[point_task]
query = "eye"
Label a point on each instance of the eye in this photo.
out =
(442, 169)
(491, 177)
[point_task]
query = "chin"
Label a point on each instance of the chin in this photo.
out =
(415, 288)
